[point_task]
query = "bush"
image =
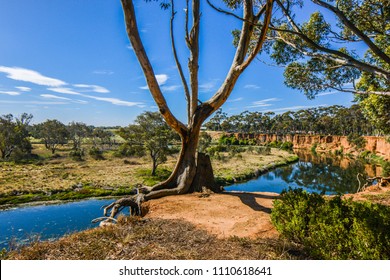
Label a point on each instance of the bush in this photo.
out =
(263, 150)
(334, 228)
(96, 153)
(287, 146)
(77, 155)
(356, 140)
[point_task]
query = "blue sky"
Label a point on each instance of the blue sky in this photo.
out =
(71, 60)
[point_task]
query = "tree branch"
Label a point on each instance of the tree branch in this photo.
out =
(354, 29)
(262, 36)
(346, 58)
(139, 50)
(178, 64)
(215, 102)
(193, 63)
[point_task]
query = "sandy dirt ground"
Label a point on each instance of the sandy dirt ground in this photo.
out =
(224, 215)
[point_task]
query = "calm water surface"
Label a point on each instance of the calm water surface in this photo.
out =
(315, 174)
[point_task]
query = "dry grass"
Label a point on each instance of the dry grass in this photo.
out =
(155, 239)
(61, 172)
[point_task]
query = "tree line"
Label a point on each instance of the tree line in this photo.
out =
(148, 136)
(333, 120)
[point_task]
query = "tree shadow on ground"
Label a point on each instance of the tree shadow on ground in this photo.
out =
(249, 199)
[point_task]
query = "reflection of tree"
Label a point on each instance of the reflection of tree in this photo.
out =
(322, 176)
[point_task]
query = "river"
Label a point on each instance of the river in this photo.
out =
(315, 174)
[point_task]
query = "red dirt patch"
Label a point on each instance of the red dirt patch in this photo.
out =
(225, 215)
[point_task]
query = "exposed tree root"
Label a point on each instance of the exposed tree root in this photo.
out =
(382, 181)
(178, 183)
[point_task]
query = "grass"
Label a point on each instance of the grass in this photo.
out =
(156, 239)
(381, 198)
(58, 177)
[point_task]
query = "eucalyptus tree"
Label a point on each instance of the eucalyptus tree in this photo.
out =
(151, 135)
(185, 176)
(321, 53)
(325, 52)
(14, 134)
(53, 133)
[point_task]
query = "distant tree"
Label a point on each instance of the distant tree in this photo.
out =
(101, 137)
(149, 134)
(78, 131)
(53, 133)
(14, 134)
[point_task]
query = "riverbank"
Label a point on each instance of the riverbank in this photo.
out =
(192, 226)
(63, 179)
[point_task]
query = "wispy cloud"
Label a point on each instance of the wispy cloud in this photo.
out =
(115, 101)
(64, 90)
(26, 75)
(93, 88)
(235, 100)
(207, 87)
(13, 93)
(25, 89)
(263, 103)
(294, 108)
(51, 96)
(327, 93)
(103, 72)
(251, 86)
(170, 88)
(34, 102)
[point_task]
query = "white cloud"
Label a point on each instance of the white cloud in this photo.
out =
(170, 88)
(327, 93)
(263, 103)
(115, 101)
(93, 88)
(64, 90)
(34, 102)
(251, 87)
(161, 79)
(26, 75)
(13, 93)
(25, 89)
(51, 96)
(294, 108)
(235, 100)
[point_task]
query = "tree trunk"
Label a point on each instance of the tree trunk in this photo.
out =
(193, 172)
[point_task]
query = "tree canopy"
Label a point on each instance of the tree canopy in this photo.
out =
(151, 135)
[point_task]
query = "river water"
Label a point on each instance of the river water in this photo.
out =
(315, 174)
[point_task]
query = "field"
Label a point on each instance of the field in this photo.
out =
(49, 177)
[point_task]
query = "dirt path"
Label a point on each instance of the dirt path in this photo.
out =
(225, 215)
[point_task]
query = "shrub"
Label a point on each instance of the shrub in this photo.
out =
(263, 150)
(77, 155)
(287, 146)
(96, 153)
(356, 140)
(333, 228)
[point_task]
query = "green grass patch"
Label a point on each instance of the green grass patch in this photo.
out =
(147, 179)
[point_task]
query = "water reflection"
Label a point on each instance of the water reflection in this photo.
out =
(312, 173)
